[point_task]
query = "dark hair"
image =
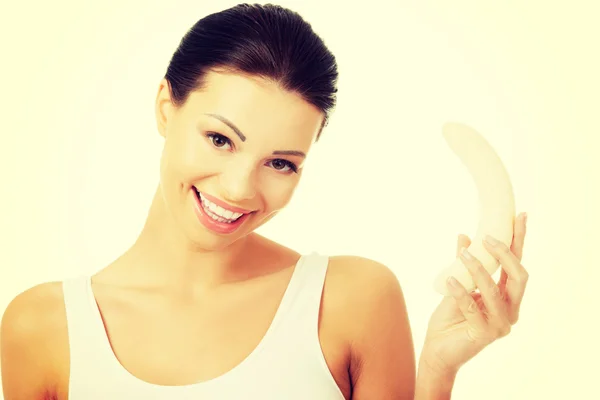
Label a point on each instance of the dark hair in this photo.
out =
(268, 41)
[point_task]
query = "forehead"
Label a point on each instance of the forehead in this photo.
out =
(258, 107)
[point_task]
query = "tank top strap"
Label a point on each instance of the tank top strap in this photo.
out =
(301, 310)
(81, 321)
(87, 340)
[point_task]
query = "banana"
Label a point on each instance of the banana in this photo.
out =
(496, 201)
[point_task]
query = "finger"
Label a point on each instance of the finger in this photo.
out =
(490, 292)
(516, 275)
(518, 241)
(467, 305)
(463, 241)
(516, 246)
(503, 279)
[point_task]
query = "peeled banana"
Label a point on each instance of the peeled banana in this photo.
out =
(496, 200)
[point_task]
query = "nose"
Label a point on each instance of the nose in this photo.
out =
(238, 182)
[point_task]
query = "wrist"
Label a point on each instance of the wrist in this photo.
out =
(433, 382)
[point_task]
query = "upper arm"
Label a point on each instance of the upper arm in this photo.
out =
(25, 350)
(381, 345)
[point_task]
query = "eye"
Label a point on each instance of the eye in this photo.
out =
(218, 140)
(280, 165)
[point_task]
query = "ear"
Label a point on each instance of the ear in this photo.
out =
(163, 107)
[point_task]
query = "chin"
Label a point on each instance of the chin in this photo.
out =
(206, 241)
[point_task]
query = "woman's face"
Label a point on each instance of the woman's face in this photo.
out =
(235, 149)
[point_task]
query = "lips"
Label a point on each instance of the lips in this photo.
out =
(215, 225)
(218, 213)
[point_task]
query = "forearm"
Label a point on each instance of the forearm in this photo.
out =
(431, 385)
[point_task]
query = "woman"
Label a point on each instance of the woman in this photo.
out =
(201, 306)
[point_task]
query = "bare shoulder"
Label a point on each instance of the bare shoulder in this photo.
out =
(33, 341)
(356, 269)
(364, 284)
(378, 330)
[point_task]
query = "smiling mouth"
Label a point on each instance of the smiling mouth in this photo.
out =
(216, 212)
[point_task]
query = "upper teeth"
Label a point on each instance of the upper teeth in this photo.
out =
(220, 211)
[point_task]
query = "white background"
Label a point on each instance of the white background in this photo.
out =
(79, 154)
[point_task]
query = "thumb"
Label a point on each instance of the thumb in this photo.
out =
(463, 241)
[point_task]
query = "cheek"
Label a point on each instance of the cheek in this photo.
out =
(185, 158)
(277, 195)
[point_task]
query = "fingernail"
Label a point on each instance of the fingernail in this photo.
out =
(525, 217)
(490, 240)
(465, 253)
(452, 281)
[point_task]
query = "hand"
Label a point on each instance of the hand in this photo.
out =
(465, 323)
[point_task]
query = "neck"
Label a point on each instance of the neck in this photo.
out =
(165, 256)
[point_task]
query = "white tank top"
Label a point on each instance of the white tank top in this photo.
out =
(287, 364)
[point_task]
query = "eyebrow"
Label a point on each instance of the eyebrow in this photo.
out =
(243, 137)
(229, 124)
(289, 153)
